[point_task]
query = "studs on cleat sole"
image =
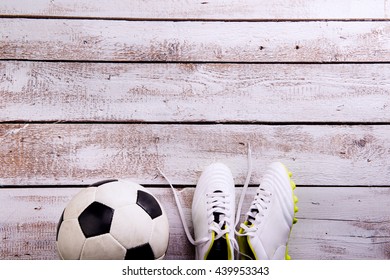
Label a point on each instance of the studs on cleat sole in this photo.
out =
(295, 199)
(293, 186)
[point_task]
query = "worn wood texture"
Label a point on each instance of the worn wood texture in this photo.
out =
(59, 39)
(209, 10)
(333, 223)
(47, 91)
(304, 82)
(82, 153)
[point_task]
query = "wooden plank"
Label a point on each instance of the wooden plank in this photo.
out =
(212, 9)
(342, 223)
(41, 91)
(101, 40)
(334, 223)
(33, 154)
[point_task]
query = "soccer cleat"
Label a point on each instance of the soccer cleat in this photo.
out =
(213, 214)
(264, 234)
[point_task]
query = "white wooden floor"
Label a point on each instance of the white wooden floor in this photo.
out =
(90, 91)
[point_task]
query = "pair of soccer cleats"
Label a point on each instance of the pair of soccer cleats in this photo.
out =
(265, 232)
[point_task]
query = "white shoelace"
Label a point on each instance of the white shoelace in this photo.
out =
(245, 187)
(181, 213)
(217, 204)
(257, 208)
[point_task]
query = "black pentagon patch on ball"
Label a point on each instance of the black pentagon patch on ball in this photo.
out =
(97, 184)
(96, 219)
(59, 224)
(149, 204)
(143, 252)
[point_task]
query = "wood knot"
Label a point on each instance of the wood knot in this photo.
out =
(360, 143)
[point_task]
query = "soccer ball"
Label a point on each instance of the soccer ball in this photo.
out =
(113, 219)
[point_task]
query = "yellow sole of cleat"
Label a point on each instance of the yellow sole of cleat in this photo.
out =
(293, 186)
(295, 199)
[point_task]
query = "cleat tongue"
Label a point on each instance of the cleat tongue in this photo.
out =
(217, 214)
(219, 250)
(250, 219)
(258, 205)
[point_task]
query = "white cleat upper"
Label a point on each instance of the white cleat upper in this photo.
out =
(264, 234)
(213, 210)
